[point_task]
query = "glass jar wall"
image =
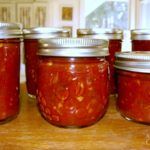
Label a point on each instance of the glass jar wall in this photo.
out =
(133, 71)
(72, 81)
(10, 35)
(31, 37)
(114, 36)
(140, 39)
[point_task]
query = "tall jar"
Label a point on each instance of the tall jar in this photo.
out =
(72, 87)
(115, 37)
(133, 69)
(10, 35)
(140, 39)
(31, 37)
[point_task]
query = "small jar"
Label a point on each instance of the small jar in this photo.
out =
(115, 37)
(31, 37)
(140, 39)
(72, 87)
(133, 71)
(10, 35)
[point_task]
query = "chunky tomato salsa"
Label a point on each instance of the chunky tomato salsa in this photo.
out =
(134, 95)
(72, 91)
(9, 78)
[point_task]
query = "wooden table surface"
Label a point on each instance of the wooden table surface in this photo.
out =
(29, 131)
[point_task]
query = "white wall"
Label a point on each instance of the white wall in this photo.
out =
(144, 8)
(54, 13)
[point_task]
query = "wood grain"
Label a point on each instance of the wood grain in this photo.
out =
(29, 131)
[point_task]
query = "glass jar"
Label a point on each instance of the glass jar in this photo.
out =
(10, 35)
(115, 37)
(133, 69)
(140, 39)
(31, 37)
(72, 87)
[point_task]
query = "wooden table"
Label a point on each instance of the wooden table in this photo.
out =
(29, 131)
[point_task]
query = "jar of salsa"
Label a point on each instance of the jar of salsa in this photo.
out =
(140, 39)
(115, 37)
(31, 37)
(10, 35)
(72, 87)
(133, 70)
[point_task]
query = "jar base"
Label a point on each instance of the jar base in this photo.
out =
(3, 121)
(73, 126)
(32, 96)
(132, 120)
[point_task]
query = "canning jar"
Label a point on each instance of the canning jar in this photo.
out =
(115, 37)
(72, 87)
(10, 35)
(31, 37)
(140, 39)
(133, 69)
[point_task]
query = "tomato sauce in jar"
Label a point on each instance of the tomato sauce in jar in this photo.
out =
(72, 87)
(31, 37)
(10, 35)
(114, 36)
(133, 69)
(140, 39)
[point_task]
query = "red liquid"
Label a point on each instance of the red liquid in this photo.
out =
(72, 91)
(114, 46)
(141, 45)
(134, 95)
(9, 78)
(31, 47)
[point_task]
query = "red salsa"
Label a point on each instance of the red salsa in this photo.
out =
(140, 39)
(31, 47)
(31, 37)
(133, 81)
(114, 46)
(141, 45)
(9, 78)
(134, 95)
(115, 42)
(10, 37)
(72, 91)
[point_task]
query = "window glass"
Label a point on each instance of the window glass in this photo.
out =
(109, 14)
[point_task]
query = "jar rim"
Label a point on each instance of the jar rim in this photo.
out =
(140, 34)
(137, 61)
(102, 33)
(45, 32)
(10, 30)
(73, 47)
